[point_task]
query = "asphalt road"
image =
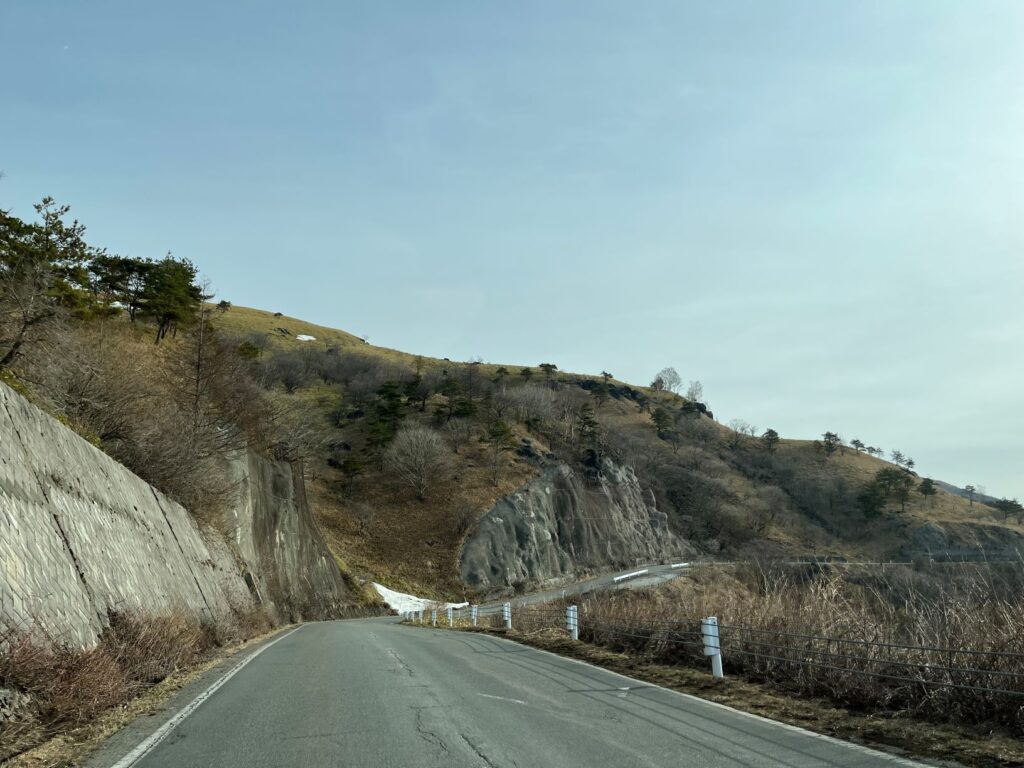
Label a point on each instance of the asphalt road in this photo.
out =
(375, 694)
(657, 573)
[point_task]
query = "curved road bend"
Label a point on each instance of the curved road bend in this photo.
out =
(374, 693)
(656, 573)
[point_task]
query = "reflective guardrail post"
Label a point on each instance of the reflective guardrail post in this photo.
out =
(451, 621)
(433, 617)
(712, 644)
(572, 621)
(474, 613)
(506, 614)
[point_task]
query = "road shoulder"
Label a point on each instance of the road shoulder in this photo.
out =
(942, 745)
(115, 733)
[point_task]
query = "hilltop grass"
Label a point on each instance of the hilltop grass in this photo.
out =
(383, 533)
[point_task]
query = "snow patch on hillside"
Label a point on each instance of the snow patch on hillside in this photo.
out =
(400, 601)
(305, 337)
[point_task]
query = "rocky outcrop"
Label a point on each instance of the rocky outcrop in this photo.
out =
(82, 537)
(964, 541)
(287, 563)
(563, 524)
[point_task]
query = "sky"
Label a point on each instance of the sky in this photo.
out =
(815, 208)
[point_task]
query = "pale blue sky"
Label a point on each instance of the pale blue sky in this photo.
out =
(813, 207)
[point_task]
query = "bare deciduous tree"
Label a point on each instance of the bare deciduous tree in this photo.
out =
(459, 431)
(529, 402)
(667, 379)
(417, 457)
(739, 428)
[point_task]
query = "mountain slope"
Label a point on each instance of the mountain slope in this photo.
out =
(721, 492)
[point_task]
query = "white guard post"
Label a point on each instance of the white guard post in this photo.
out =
(450, 619)
(433, 617)
(474, 613)
(572, 621)
(712, 644)
(420, 615)
(506, 614)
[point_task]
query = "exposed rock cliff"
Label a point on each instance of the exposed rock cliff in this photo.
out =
(81, 536)
(286, 557)
(963, 541)
(562, 524)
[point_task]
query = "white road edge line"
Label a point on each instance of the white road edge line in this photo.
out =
(625, 576)
(502, 698)
(679, 565)
(149, 743)
(894, 759)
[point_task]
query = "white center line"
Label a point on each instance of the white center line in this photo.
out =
(502, 698)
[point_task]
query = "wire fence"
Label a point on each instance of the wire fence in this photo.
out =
(948, 683)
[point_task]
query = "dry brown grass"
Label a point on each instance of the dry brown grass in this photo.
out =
(718, 501)
(902, 732)
(62, 688)
(836, 633)
(412, 545)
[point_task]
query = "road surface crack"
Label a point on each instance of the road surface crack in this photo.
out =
(426, 734)
(478, 751)
(401, 662)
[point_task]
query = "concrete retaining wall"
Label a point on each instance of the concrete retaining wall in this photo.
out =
(81, 536)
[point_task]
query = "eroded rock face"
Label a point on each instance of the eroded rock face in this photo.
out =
(289, 566)
(562, 524)
(963, 541)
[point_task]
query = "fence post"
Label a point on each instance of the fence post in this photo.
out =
(572, 621)
(474, 613)
(450, 619)
(712, 644)
(419, 616)
(506, 614)
(433, 616)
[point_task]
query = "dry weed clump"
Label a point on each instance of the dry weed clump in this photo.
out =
(945, 644)
(59, 688)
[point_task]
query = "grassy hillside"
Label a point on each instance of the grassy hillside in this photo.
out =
(725, 492)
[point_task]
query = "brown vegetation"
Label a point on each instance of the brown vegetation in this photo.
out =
(943, 643)
(728, 491)
(59, 688)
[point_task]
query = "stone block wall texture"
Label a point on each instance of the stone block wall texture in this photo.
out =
(81, 537)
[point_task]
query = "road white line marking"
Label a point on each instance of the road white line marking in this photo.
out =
(625, 576)
(502, 698)
(164, 730)
(886, 756)
(679, 565)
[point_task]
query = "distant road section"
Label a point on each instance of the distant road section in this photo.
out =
(375, 693)
(634, 578)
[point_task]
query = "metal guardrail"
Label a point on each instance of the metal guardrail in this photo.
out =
(994, 672)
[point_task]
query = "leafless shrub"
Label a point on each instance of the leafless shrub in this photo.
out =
(459, 431)
(417, 457)
(858, 635)
(363, 513)
(173, 416)
(529, 403)
(65, 687)
(464, 517)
